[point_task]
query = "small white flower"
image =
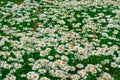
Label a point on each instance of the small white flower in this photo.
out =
(32, 75)
(65, 58)
(17, 66)
(115, 32)
(12, 77)
(42, 71)
(44, 78)
(113, 64)
(79, 65)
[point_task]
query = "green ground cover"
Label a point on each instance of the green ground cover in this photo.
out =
(59, 40)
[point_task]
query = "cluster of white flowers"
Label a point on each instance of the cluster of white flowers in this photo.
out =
(60, 40)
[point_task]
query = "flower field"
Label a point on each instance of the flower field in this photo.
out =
(60, 40)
